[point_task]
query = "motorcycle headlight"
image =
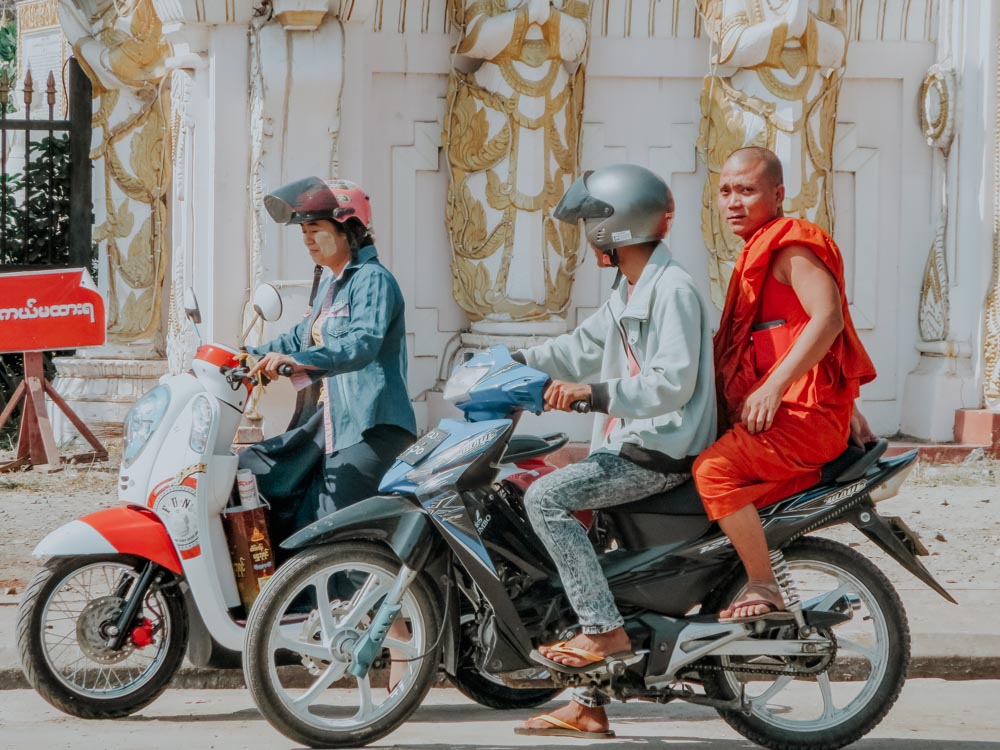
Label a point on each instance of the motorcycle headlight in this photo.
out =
(142, 420)
(462, 380)
(201, 424)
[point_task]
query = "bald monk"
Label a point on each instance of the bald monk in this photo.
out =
(788, 368)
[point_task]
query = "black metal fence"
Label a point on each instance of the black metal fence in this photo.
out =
(46, 210)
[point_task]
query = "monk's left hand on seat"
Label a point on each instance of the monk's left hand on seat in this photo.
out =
(760, 407)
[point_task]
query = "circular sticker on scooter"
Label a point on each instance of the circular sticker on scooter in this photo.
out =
(176, 508)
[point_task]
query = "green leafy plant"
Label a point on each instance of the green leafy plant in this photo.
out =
(36, 206)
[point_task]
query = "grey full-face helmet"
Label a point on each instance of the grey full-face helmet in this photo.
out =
(620, 205)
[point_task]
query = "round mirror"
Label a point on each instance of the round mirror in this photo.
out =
(191, 308)
(267, 302)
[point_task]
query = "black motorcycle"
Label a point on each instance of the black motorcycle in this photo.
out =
(447, 550)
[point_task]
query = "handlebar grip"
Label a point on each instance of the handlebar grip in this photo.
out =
(285, 370)
(580, 407)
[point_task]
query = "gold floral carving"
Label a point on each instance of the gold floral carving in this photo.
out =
(749, 106)
(134, 143)
(524, 91)
(991, 344)
(37, 16)
(937, 121)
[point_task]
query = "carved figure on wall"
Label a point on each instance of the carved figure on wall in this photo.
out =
(777, 70)
(123, 51)
(937, 121)
(991, 337)
(512, 139)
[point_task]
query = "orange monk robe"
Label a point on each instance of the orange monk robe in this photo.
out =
(812, 425)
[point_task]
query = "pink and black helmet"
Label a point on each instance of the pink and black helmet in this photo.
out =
(313, 199)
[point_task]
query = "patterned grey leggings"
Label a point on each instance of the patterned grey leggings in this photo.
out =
(602, 480)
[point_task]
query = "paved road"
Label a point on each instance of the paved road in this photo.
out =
(930, 715)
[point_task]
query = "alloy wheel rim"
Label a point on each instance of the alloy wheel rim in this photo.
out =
(871, 627)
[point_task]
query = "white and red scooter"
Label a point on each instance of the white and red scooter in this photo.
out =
(104, 625)
(126, 591)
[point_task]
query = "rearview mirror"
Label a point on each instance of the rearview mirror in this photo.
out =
(267, 302)
(191, 308)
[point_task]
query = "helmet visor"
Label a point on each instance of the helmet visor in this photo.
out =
(303, 201)
(578, 203)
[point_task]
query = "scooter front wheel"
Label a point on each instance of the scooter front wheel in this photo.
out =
(316, 609)
(63, 626)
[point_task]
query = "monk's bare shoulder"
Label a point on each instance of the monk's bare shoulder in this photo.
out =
(795, 257)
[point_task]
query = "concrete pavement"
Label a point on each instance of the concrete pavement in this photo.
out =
(930, 715)
(948, 641)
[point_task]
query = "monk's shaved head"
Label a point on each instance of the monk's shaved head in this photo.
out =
(751, 190)
(756, 155)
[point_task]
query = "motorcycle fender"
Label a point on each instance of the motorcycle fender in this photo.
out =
(879, 530)
(398, 522)
(126, 530)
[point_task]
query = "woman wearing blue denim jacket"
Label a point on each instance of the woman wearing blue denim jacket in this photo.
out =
(351, 348)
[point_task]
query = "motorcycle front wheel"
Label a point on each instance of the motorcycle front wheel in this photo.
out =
(63, 626)
(315, 609)
(847, 695)
(488, 691)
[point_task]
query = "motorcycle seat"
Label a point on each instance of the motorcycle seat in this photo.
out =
(684, 500)
(522, 447)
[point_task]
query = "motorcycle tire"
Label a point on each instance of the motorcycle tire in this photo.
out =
(56, 686)
(478, 687)
(264, 680)
(885, 611)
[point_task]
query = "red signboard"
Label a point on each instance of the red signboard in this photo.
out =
(50, 309)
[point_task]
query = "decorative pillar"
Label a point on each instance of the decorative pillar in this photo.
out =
(942, 386)
(122, 49)
(777, 67)
(512, 140)
(991, 339)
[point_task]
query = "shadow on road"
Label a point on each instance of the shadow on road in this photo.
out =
(625, 720)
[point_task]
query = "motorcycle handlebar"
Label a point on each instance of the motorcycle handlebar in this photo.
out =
(285, 370)
(580, 407)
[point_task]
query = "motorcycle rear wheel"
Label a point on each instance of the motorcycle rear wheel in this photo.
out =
(873, 653)
(61, 629)
(342, 585)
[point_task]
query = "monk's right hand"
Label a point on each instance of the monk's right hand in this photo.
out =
(759, 409)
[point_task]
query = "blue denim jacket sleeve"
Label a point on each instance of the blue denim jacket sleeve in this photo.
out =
(286, 343)
(374, 300)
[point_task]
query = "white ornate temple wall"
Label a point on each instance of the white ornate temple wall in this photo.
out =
(262, 95)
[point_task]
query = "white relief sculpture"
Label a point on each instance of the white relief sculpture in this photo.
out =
(777, 70)
(122, 49)
(512, 139)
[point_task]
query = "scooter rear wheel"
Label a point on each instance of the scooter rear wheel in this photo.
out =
(62, 627)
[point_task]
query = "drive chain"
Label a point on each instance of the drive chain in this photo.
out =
(825, 662)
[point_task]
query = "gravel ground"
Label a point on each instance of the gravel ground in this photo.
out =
(955, 509)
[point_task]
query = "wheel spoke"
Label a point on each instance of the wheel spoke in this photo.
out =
(853, 647)
(363, 601)
(365, 704)
(406, 648)
(330, 675)
(305, 648)
(327, 624)
(829, 707)
(779, 684)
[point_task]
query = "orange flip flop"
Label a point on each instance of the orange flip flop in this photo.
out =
(560, 728)
(593, 661)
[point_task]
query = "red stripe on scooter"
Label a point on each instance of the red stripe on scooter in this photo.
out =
(133, 530)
